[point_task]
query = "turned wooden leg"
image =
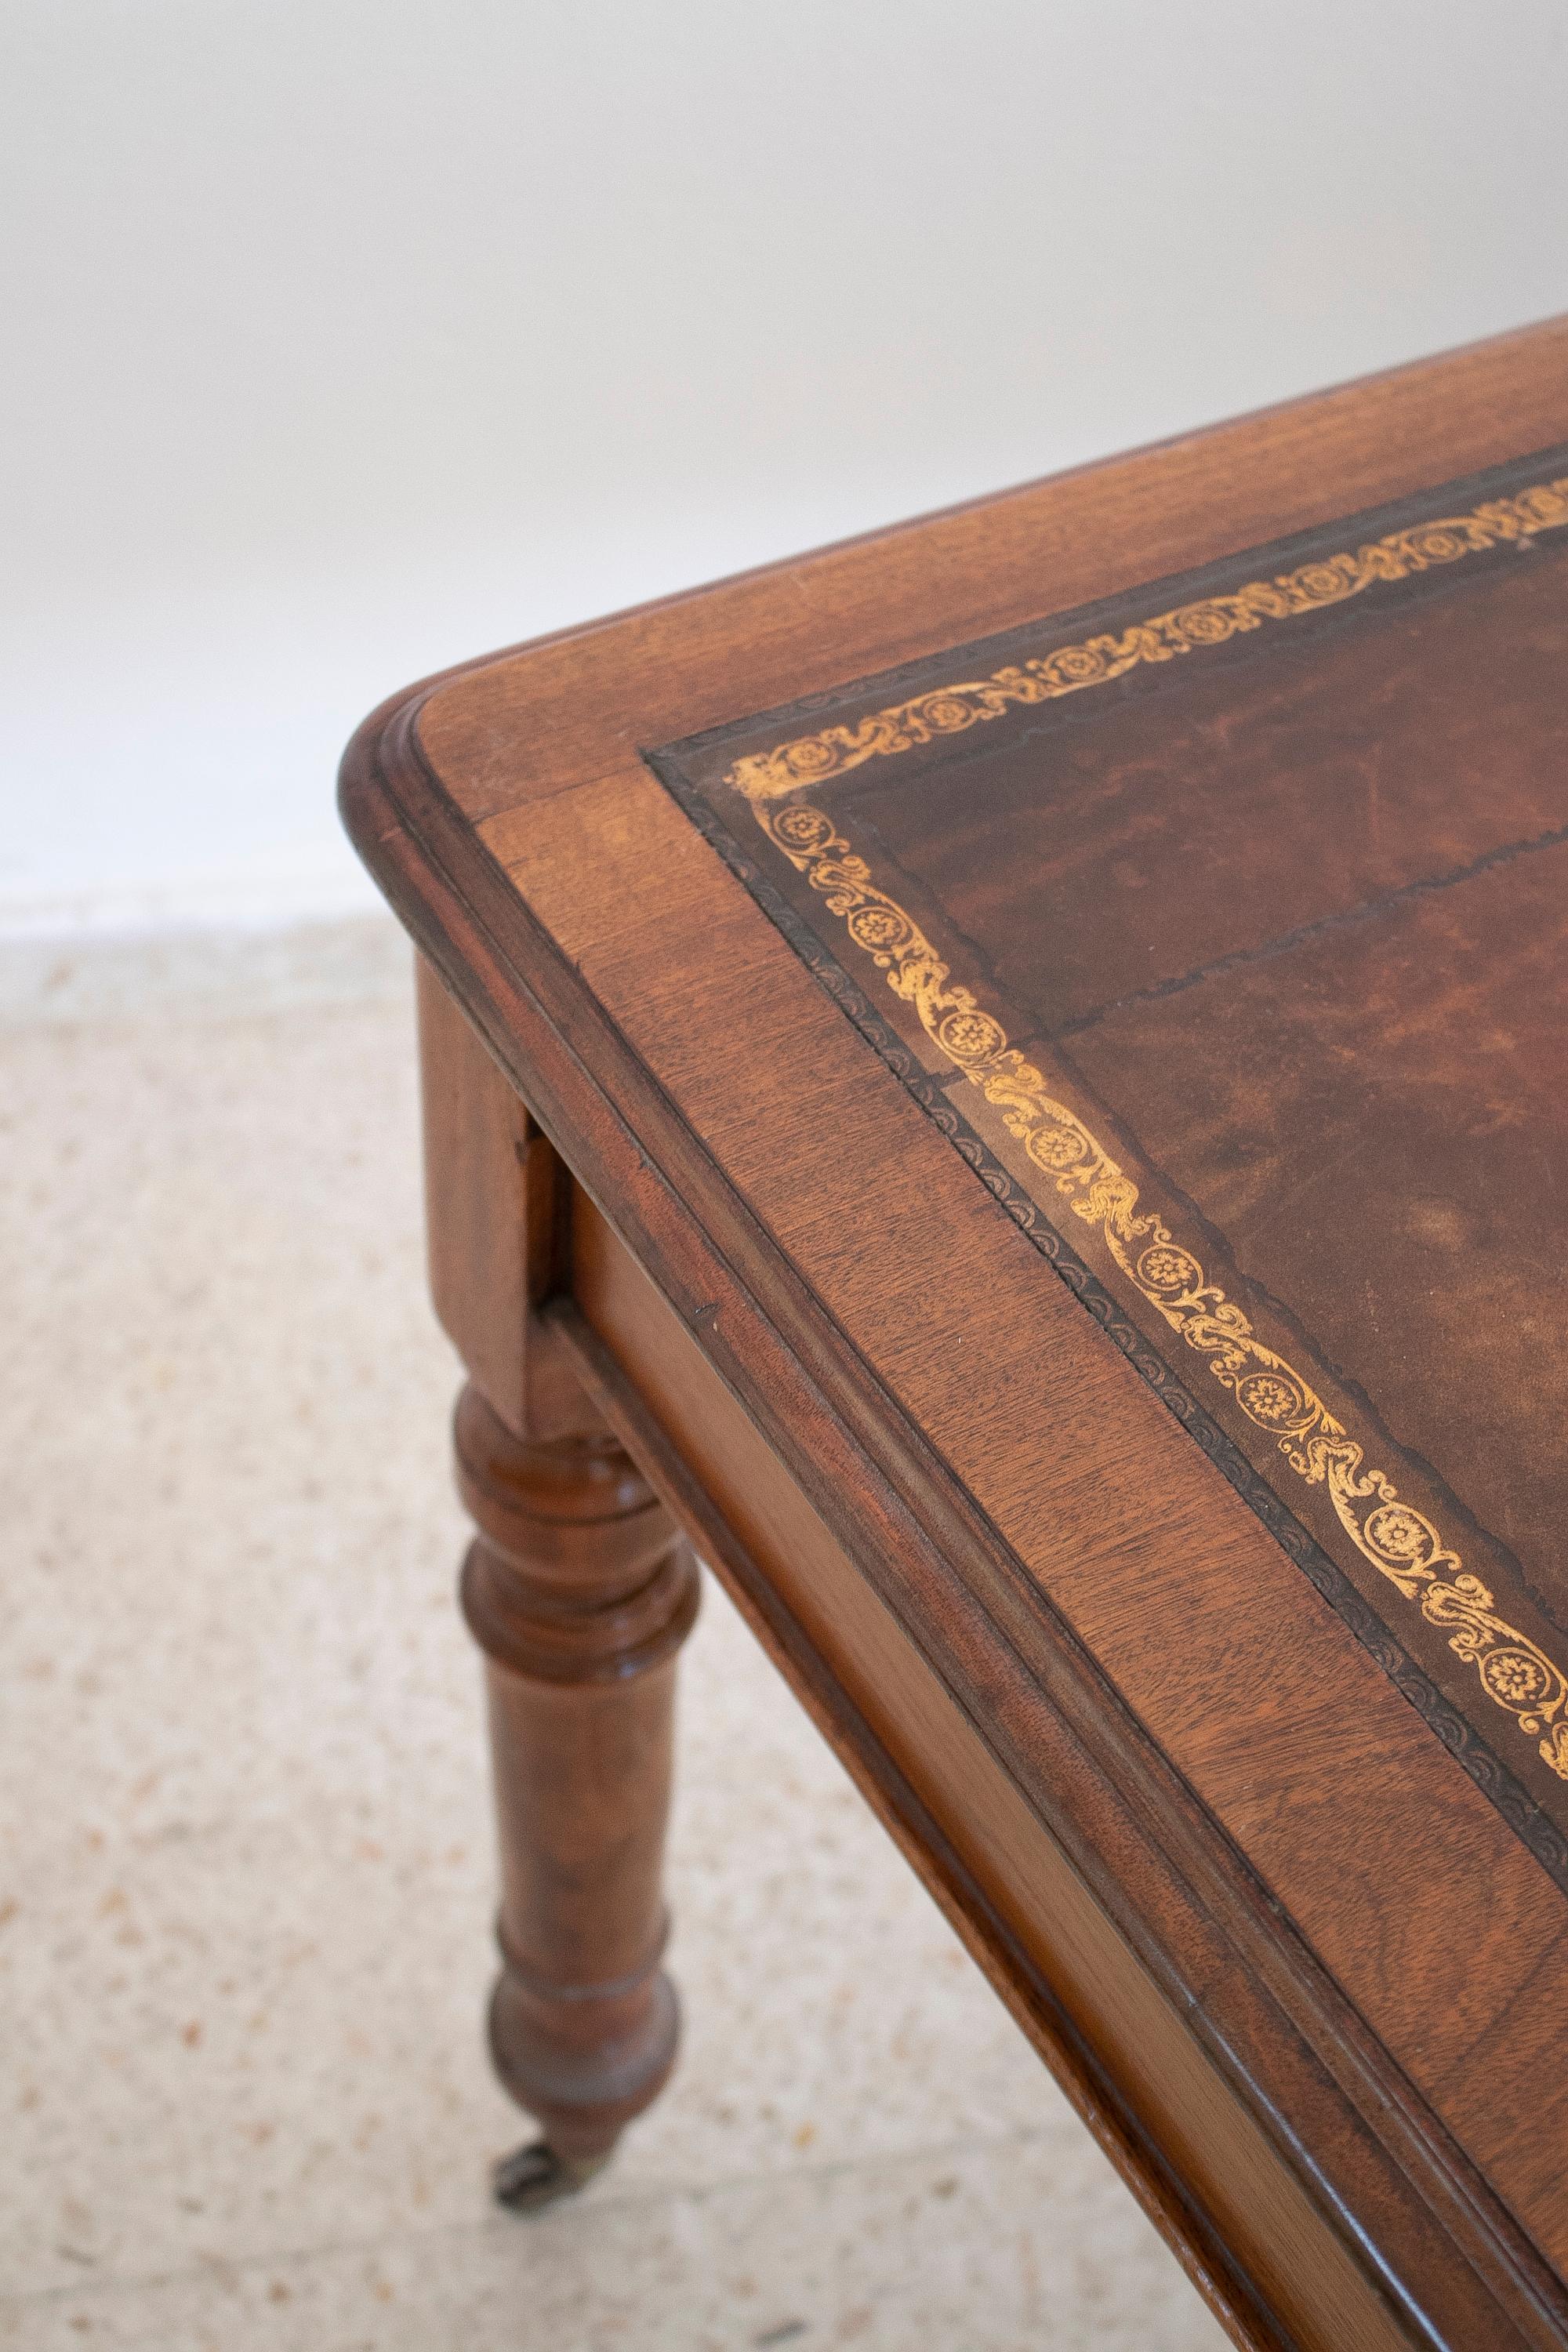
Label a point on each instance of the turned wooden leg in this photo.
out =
(579, 1592)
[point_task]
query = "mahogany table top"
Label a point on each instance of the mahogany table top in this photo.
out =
(1066, 999)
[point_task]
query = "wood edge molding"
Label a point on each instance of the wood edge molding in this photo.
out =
(1407, 378)
(509, 977)
(1181, 2222)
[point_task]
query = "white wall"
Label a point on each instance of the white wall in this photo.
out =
(354, 336)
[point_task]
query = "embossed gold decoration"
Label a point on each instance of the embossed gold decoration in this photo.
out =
(1328, 579)
(1399, 1541)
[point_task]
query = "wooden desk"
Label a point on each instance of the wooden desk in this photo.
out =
(1007, 1081)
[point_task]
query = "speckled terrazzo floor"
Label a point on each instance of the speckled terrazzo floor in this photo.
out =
(245, 1877)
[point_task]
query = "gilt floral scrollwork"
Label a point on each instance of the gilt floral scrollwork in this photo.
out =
(1208, 621)
(1399, 1541)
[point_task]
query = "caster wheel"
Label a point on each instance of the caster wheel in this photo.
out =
(534, 2176)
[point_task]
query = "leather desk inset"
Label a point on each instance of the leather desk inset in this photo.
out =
(1240, 978)
(1004, 1083)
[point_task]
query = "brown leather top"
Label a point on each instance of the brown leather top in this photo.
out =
(1220, 924)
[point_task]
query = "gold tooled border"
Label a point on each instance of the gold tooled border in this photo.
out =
(1208, 621)
(1400, 1541)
